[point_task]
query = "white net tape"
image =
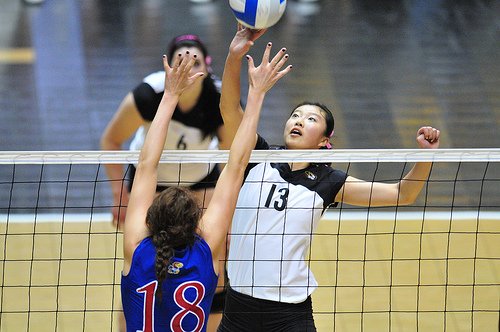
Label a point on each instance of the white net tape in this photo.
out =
(204, 156)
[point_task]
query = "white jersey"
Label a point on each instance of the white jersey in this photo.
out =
(180, 137)
(195, 130)
(277, 212)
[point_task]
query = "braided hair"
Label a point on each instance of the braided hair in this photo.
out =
(172, 220)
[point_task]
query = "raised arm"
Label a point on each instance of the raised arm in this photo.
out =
(230, 106)
(143, 192)
(218, 216)
(405, 192)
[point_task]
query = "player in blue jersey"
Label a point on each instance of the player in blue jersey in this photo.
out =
(171, 250)
(278, 210)
(197, 124)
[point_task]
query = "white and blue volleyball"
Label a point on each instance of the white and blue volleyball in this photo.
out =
(258, 14)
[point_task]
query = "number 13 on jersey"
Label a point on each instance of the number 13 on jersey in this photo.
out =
(279, 202)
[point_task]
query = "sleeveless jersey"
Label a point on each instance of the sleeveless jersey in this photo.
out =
(276, 214)
(187, 292)
(194, 130)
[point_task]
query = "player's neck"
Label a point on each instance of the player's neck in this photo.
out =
(189, 98)
(298, 166)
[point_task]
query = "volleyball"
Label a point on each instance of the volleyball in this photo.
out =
(258, 14)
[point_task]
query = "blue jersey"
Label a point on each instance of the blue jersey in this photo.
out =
(187, 291)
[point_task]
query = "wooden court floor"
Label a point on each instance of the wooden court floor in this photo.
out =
(376, 275)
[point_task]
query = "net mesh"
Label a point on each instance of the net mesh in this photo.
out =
(431, 266)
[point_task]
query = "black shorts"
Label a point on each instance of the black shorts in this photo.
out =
(244, 313)
(208, 182)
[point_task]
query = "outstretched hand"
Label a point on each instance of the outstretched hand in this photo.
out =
(428, 138)
(177, 77)
(268, 72)
(244, 39)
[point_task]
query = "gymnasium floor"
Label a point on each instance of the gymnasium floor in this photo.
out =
(68, 277)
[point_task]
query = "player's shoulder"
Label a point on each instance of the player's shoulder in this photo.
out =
(156, 80)
(330, 171)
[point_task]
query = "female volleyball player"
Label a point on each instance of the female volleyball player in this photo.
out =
(170, 248)
(197, 123)
(278, 209)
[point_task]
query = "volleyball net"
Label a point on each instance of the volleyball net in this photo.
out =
(430, 266)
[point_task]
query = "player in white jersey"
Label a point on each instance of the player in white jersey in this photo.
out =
(279, 207)
(197, 124)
